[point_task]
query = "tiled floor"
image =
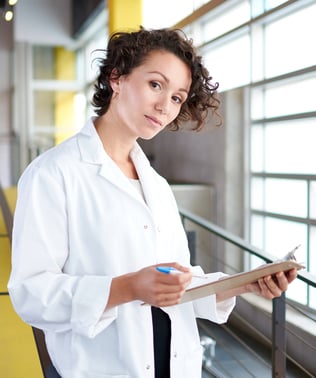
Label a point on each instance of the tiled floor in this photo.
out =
(236, 360)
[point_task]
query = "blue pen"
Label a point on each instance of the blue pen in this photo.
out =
(172, 270)
(168, 270)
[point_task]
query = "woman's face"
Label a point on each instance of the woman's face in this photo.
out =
(150, 97)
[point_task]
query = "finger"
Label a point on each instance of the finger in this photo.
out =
(182, 279)
(273, 286)
(182, 268)
(291, 275)
(254, 288)
(282, 281)
(170, 299)
(264, 288)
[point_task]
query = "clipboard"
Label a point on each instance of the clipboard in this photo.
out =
(201, 288)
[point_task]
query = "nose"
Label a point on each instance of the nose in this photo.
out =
(162, 105)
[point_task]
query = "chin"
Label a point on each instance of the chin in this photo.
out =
(149, 135)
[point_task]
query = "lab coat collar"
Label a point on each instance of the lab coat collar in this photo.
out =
(90, 145)
(92, 151)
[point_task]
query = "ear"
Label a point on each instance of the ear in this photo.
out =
(115, 81)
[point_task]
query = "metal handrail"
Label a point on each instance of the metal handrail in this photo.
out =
(8, 221)
(239, 242)
(279, 304)
(8, 218)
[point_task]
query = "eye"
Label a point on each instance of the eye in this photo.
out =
(155, 85)
(177, 99)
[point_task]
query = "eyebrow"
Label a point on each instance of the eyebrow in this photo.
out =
(167, 80)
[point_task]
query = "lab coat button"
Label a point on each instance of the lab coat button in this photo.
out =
(175, 354)
(147, 367)
(145, 226)
(158, 229)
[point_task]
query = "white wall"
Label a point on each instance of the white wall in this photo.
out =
(200, 200)
(5, 101)
(43, 22)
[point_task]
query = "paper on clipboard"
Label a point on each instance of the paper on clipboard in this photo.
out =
(203, 288)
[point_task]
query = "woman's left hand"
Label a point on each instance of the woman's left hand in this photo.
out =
(272, 286)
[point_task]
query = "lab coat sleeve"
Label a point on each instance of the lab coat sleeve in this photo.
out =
(209, 308)
(42, 294)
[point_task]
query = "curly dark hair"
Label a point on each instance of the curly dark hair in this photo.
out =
(127, 50)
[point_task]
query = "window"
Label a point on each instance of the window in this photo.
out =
(229, 62)
(285, 50)
(283, 131)
(267, 47)
(61, 85)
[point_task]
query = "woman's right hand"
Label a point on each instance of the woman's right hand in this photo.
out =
(160, 289)
(150, 286)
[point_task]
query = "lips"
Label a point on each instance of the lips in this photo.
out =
(153, 120)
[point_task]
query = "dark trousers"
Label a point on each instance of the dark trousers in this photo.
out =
(162, 338)
(50, 372)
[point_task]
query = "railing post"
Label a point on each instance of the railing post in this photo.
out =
(8, 218)
(191, 235)
(278, 338)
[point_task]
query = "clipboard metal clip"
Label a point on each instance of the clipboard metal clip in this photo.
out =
(291, 254)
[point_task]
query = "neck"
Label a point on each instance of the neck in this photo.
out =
(116, 145)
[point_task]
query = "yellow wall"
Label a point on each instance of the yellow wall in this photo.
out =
(125, 15)
(65, 69)
(19, 358)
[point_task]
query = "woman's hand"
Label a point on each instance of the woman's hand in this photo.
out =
(268, 287)
(150, 286)
(161, 289)
(272, 286)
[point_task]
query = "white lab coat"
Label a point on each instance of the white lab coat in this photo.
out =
(78, 223)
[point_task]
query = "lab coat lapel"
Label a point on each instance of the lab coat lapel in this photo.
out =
(112, 173)
(147, 177)
(92, 152)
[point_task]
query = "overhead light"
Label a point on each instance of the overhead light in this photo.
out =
(7, 6)
(8, 15)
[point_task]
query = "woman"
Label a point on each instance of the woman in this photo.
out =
(94, 220)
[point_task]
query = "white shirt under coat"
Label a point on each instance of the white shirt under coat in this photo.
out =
(79, 222)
